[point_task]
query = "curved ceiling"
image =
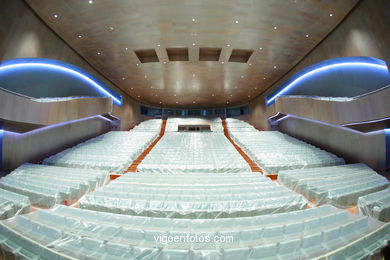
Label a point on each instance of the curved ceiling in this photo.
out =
(107, 34)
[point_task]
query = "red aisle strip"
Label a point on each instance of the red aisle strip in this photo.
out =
(134, 165)
(252, 164)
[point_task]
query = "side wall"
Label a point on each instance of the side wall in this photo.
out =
(23, 34)
(37, 144)
(362, 33)
(353, 146)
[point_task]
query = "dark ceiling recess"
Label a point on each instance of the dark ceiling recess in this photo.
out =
(240, 55)
(209, 54)
(177, 54)
(145, 56)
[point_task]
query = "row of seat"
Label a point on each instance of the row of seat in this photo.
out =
(12, 203)
(274, 151)
(71, 233)
(338, 185)
(113, 151)
(47, 185)
(376, 205)
(185, 195)
(193, 152)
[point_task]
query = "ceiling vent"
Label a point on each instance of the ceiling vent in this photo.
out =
(145, 56)
(240, 55)
(177, 54)
(209, 54)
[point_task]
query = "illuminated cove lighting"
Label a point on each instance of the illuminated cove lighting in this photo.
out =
(317, 70)
(63, 69)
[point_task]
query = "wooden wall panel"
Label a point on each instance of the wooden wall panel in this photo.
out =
(370, 107)
(21, 109)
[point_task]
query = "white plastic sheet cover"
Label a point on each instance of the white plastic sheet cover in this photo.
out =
(65, 232)
(47, 185)
(193, 195)
(274, 151)
(113, 151)
(338, 185)
(194, 152)
(376, 205)
(12, 204)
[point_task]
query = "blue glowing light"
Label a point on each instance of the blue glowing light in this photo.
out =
(317, 70)
(63, 69)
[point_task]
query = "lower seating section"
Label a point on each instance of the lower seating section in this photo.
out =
(48, 185)
(113, 151)
(376, 205)
(338, 185)
(71, 233)
(12, 204)
(193, 152)
(274, 151)
(193, 195)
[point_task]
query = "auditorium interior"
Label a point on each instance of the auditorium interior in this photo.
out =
(194, 129)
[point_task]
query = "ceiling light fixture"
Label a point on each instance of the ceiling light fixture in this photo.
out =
(236, 21)
(330, 14)
(137, 64)
(90, 1)
(80, 36)
(111, 28)
(193, 19)
(260, 48)
(158, 45)
(275, 27)
(126, 48)
(123, 78)
(222, 62)
(228, 45)
(307, 36)
(98, 53)
(193, 44)
(274, 67)
(55, 16)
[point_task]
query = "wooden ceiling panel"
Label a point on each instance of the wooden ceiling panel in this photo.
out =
(280, 33)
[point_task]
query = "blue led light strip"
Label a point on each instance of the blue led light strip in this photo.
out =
(344, 64)
(75, 73)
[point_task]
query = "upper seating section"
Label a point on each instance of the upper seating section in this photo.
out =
(193, 152)
(13, 203)
(50, 185)
(193, 195)
(113, 151)
(65, 232)
(337, 185)
(376, 205)
(274, 151)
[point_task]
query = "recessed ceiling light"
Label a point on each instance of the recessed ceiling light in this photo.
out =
(145, 77)
(212, 95)
(227, 102)
(275, 27)
(260, 48)
(274, 67)
(139, 96)
(231, 95)
(242, 77)
(98, 53)
(193, 101)
(137, 64)
(123, 78)
(255, 88)
(158, 45)
(193, 19)
(151, 86)
(193, 75)
(249, 96)
(111, 28)
(177, 102)
(174, 95)
(55, 16)
(90, 1)
(250, 64)
(80, 36)
(155, 95)
(193, 44)
(126, 48)
(165, 62)
(263, 78)
(330, 14)
(307, 36)
(236, 21)
(222, 62)
(235, 86)
(228, 45)
(132, 88)
(160, 102)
